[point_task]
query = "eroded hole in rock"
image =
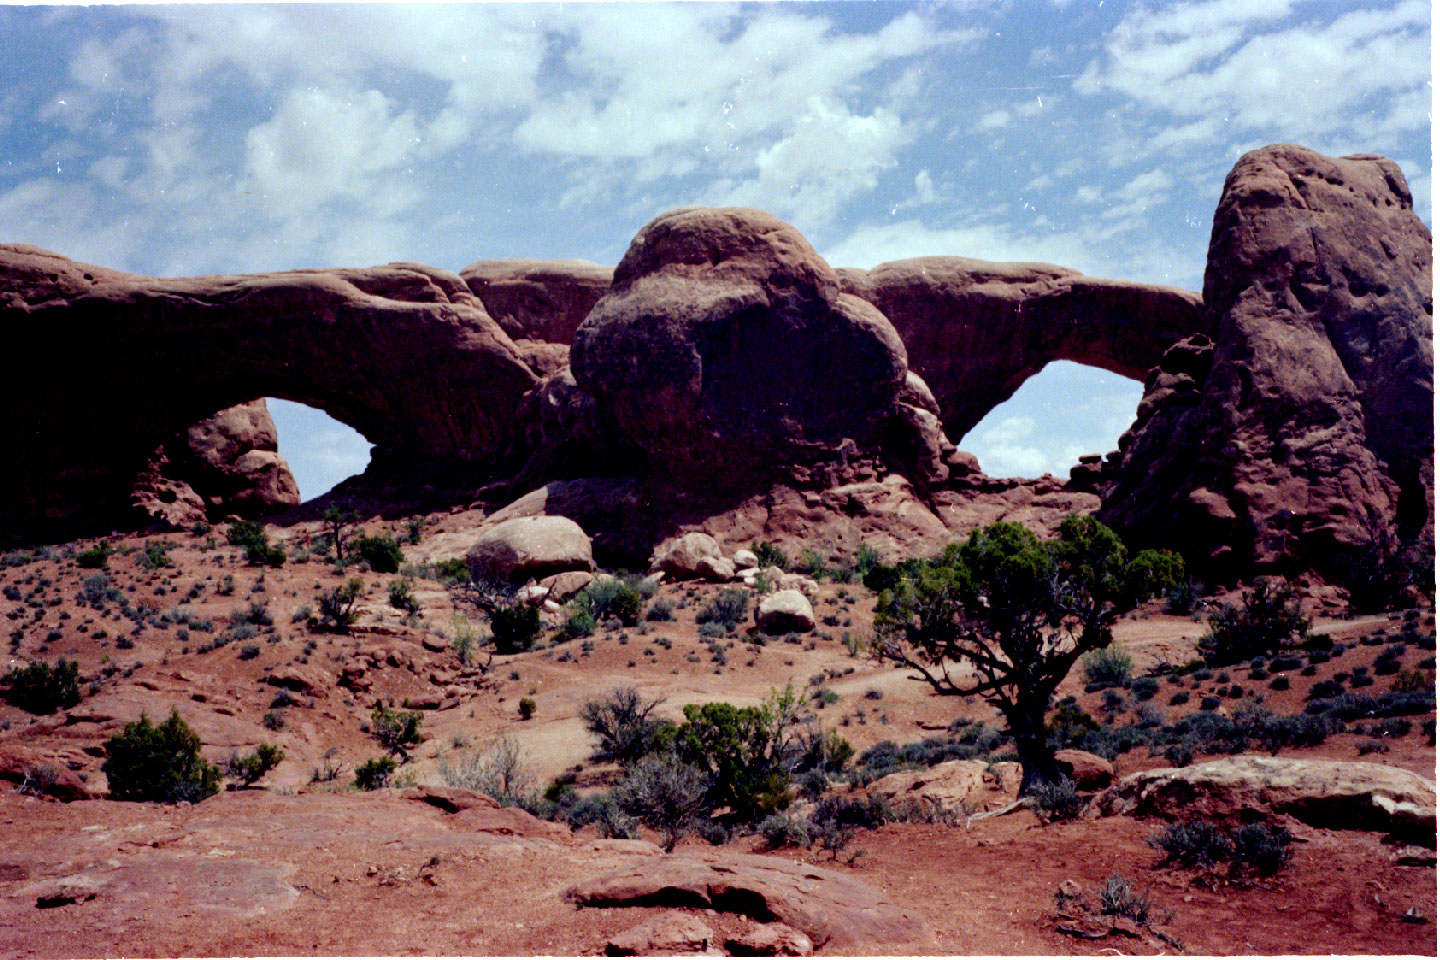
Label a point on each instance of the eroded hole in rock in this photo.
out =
(320, 450)
(1060, 414)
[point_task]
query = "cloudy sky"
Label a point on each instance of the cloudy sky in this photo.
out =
(1096, 135)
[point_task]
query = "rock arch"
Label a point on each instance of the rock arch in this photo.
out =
(111, 364)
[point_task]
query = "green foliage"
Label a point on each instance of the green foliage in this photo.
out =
(452, 571)
(621, 723)
(402, 596)
(1183, 597)
(1119, 898)
(662, 610)
(866, 559)
(1020, 611)
(1253, 847)
(770, 555)
(338, 521)
(95, 558)
(251, 767)
(374, 774)
(1106, 668)
(606, 597)
(1058, 799)
(727, 609)
(246, 533)
(40, 688)
(158, 764)
(155, 556)
(337, 606)
(742, 751)
(811, 564)
(514, 628)
(382, 553)
(396, 730)
(527, 708)
(1267, 619)
(264, 555)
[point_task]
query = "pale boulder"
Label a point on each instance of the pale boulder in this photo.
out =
(693, 555)
(527, 548)
(563, 586)
(785, 611)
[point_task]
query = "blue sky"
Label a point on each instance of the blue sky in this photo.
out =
(219, 138)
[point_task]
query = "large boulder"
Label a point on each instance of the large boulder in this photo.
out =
(530, 548)
(1332, 794)
(784, 611)
(693, 555)
(726, 350)
(1304, 437)
(952, 787)
(671, 933)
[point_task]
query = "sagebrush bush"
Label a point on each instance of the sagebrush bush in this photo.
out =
(1110, 667)
(159, 764)
(396, 730)
(337, 606)
(382, 553)
(252, 766)
(621, 723)
(374, 774)
(664, 793)
(1267, 619)
(499, 771)
(1059, 800)
(727, 609)
(606, 597)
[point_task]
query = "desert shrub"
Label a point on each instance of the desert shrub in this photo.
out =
(824, 751)
(605, 813)
(607, 597)
(1109, 667)
(1255, 846)
(374, 774)
(337, 606)
(158, 764)
(882, 577)
(246, 533)
(40, 688)
(1268, 618)
(727, 609)
(252, 766)
(1209, 703)
(1179, 698)
(865, 812)
(784, 830)
(95, 558)
(1183, 597)
(514, 627)
(156, 555)
(255, 614)
(661, 610)
(264, 555)
(811, 564)
(396, 730)
(1355, 706)
(1059, 800)
(273, 720)
(1119, 898)
(580, 623)
(249, 652)
(382, 553)
(527, 708)
(664, 793)
(499, 772)
(1192, 843)
(401, 594)
(742, 752)
(1409, 681)
(770, 555)
(1144, 688)
(1280, 683)
(1179, 754)
(621, 723)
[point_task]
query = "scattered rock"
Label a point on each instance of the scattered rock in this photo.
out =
(302, 678)
(770, 940)
(1332, 794)
(784, 611)
(526, 548)
(672, 932)
(76, 888)
(745, 559)
(563, 586)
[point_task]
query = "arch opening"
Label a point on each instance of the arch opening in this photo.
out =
(1063, 412)
(320, 450)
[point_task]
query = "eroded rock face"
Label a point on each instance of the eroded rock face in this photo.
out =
(1306, 435)
(726, 350)
(975, 330)
(222, 467)
(538, 299)
(145, 358)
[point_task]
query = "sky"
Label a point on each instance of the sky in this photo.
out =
(1095, 135)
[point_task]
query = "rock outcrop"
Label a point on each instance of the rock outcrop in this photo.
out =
(1304, 438)
(1332, 794)
(726, 350)
(226, 466)
(543, 300)
(784, 611)
(530, 548)
(138, 360)
(975, 331)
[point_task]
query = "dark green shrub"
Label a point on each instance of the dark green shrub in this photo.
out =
(1192, 843)
(1267, 618)
(605, 813)
(247, 533)
(783, 830)
(580, 623)
(253, 766)
(396, 730)
(1280, 683)
(1179, 698)
(382, 553)
(1209, 703)
(264, 555)
(40, 688)
(1255, 846)
(95, 558)
(1058, 800)
(1110, 667)
(515, 627)
(770, 555)
(374, 774)
(158, 764)
(1144, 688)
(664, 793)
(621, 722)
(741, 750)
(527, 708)
(1182, 597)
(882, 577)
(156, 555)
(607, 597)
(661, 610)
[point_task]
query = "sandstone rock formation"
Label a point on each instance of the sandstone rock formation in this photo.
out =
(784, 611)
(145, 358)
(224, 466)
(727, 352)
(543, 300)
(975, 331)
(1305, 438)
(831, 909)
(1333, 794)
(672, 932)
(953, 787)
(692, 555)
(530, 548)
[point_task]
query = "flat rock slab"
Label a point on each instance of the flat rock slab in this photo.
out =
(831, 909)
(1331, 794)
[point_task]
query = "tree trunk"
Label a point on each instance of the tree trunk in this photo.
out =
(1037, 761)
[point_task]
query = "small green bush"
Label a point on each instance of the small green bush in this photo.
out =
(383, 554)
(40, 688)
(264, 555)
(396, 730)
(337, 606)
(251, 767)
(1119, 898)
(402, 596)
(514, 628)
(155, 556)
(727, 609)
(527, 708)
(662, 610)
(607, 597)
(95, 558)
(159, 764)
(1192, 843)
(1059, 800)
(1268, 618)
(246, 533)
(374, 774)
(770, 555)
(1110, 667)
